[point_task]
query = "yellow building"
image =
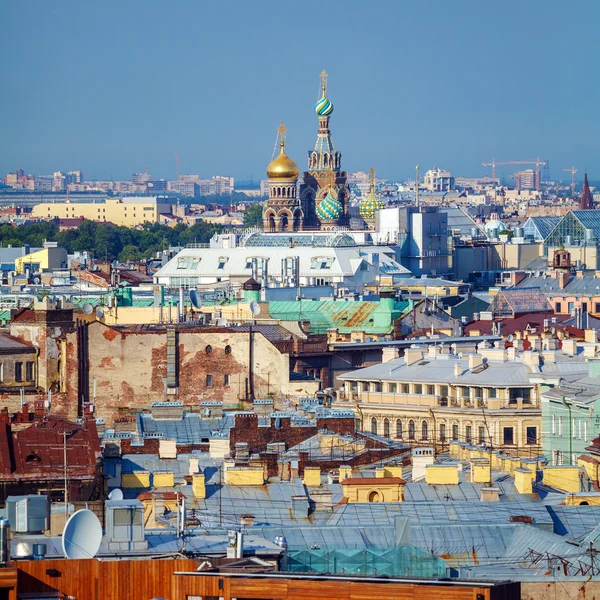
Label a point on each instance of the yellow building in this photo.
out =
(48, 258)
(373, 489)
(433, 396)
(128, 211)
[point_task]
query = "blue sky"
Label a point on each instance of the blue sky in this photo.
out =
(110, 87)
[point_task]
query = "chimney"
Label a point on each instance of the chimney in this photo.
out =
(413, 354)
(579, 274)
(388, 354)
(246, 520)
(433, 351)
(490, 494)
(458, 370)
(531, 358)
(475, 360)
(569, 347)
(563, 279)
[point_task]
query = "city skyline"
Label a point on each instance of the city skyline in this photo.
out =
(114, 100)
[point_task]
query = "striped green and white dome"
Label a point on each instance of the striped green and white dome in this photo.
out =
(370, 205)
(329, 209)
(324, 107)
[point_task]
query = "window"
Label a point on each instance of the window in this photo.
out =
(128, 516)
(29, 371)
(222, 262)
(365, 386)
(1, 371)
(208, 349)
(321, 262)
(468, 433)
(430, 390)
(424, 430)
(418, 388)
(573, 428)
(455, 432)
(209, 381)
(558, 307)
(464, 391)
(492, 393)
(187, 262)
(398, 428)
(508, 436)
(248, 264)
(444, 390)
(553, 424)
(482, 435)
(374, 426)
(18, 371)
(557, 458)
(226, 379)
(531, 435)
(560, 425)
(228, 349)
(377, 386)
(585, 431)
(571, 307)
(411, 430)
(597, 307)
(405, 388)
(386, 428)
(392, 387)
(442, 433)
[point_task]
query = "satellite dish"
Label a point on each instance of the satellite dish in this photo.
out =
(82, 535)
(255, 308)
(99, 313)
(87, 308)
(222, 323)
(195, 299)
(116, 494)
(510, 337)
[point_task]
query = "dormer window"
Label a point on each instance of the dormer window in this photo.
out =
(222, 262)
(188, 262)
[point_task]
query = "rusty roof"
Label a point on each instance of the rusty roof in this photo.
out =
(37, 449)
(12, 345)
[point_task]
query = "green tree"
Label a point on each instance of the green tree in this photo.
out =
(129, 252)
(253, 216)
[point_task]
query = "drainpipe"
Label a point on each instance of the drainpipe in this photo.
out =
(568, 407)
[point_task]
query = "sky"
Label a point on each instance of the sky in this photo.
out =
(114, 86)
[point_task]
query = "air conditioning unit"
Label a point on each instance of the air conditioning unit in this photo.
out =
(28, 514)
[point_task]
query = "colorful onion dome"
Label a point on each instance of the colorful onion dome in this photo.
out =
(329, 208)
(370, 205)
(324, 107)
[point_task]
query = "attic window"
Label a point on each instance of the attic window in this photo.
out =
(424, 362)
(188, 262)
(321, 262)
(222, 262)
(32, 458)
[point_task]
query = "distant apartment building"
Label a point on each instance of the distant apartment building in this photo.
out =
(59, 183)
(42, 185)
(141, 177)
(184, 187)
(437, 180)
(526, 180)
(74, 177)
(128, 211)
(218, 184)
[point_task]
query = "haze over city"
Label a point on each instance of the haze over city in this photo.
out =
(112, 87)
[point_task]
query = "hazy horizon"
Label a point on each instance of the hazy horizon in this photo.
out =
(110, 88)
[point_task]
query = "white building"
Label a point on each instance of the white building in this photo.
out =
(437, 180)
(280, 260)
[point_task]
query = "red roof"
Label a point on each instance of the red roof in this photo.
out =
(37, 449)
(520, 323)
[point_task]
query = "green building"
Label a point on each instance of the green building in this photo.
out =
(571, 415)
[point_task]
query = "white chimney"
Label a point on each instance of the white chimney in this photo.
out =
(458, 370)
(475, 360)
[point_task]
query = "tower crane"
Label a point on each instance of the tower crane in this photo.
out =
(572, 170)
(538, 162)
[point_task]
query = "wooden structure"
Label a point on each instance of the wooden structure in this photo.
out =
(177, 579)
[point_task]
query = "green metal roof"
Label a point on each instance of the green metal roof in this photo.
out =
(344, 316)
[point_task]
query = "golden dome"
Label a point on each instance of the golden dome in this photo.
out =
(282, 167)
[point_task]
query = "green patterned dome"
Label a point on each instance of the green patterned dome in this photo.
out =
(324, 107)
(370, 205)
(329, 208)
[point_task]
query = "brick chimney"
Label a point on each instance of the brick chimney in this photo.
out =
(563, 279)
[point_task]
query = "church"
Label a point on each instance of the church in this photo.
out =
(322, 200)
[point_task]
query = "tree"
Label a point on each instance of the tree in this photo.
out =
(253, 216)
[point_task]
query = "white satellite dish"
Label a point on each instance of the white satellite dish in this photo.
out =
(222, 322)
(255, 308)
(82, 535)
(510, 337)
(87, 308)
(116, 494)
(99, 313)
(195, 299)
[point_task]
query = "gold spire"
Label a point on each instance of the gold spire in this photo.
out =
(323, 83)
(282, 129)
(372, 180)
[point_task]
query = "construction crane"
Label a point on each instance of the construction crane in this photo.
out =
(572, 170)
(178, 161)
(538, 162)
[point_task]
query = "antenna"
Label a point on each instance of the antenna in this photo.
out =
(195, 299)
(87, 308)
(116, 494)
(99, 313)
(82, 535)
(255, 308)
